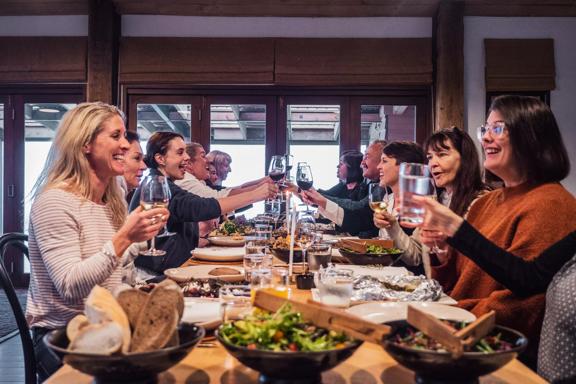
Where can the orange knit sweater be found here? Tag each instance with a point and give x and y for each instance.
(524, 220)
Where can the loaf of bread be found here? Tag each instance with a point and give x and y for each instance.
(158, 319)
(75, 325)
(224, 271)
(101, 307)
(103, 338)
(132, 301)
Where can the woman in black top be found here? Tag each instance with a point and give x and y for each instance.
(166, 155)
(349, 173)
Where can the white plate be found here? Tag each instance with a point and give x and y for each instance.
(219, 253)
(383, 312)
(202, 272)
(227, 241)
(202, 311)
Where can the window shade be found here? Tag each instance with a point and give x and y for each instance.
(520, 64)
(43, 59)
(353, 61)
(196, 60)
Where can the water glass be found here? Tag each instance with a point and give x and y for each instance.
(260, 279)
(336, 286)
(414, 180)
(280, 281)
(235, 302)
(319, 255)
(263, 231)
(254, 261)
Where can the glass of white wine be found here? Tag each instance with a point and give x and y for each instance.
(378, 198)
(154, 194)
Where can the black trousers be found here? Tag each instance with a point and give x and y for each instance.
(46, 361)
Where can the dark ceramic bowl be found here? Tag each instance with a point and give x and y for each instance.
(367, 258)
(133, 367)
(299, 367)
(284, 254)
(440, 367)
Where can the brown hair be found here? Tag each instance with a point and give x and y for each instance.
(468, 181)
(535, 138)
(158, 143)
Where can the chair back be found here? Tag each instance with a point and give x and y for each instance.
(18, 240)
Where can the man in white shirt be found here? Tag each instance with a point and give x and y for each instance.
(197, 172)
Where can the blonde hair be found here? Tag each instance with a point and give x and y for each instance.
(68, 168)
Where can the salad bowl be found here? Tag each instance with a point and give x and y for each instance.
(285, 366)
(433, 366)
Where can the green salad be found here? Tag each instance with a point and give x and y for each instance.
(284, 330)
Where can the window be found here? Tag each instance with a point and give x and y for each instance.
(163, 117)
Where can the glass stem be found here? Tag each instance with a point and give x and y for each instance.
(304, 260)
(153, 245)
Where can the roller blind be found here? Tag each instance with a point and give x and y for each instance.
(520, 64)
(353, 61)
(196, 60)
(43, 59)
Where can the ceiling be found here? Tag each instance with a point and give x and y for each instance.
(294, 8)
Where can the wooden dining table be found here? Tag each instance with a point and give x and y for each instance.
(370, 364)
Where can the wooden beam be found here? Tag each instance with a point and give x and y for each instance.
(103, 40)
(449, 61)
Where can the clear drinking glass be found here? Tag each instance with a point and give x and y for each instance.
(319, 255)
(165, 231)
(235, 302)
(335, 286)
(377, 197)
(305, 228)
(414, 180)
(281, 281)
(153, 194)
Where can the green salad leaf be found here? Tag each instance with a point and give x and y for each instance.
(284, 330)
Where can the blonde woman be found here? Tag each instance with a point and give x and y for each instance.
(79, 229)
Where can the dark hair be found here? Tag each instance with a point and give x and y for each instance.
(192, 149)
(352, 160)
(468, 181)
(158, 143)
(535, 138)
(405, 152)
(132, 136)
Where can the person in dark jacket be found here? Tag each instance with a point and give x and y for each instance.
(166, 155)
(349, 173)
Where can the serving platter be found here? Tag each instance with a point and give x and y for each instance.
(382, 312)
(227, 241)
(202, 272)
(219, 253)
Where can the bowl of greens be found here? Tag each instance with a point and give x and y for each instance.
(282, 346)
(432, 363)
(375, 254)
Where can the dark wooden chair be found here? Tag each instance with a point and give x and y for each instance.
(18, 240)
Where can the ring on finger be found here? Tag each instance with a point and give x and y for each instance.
(153, 220)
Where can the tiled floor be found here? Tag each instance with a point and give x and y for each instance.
(11, 361)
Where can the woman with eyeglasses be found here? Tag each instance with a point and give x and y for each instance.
(522, 147)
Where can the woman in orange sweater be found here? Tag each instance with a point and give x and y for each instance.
(522, 147)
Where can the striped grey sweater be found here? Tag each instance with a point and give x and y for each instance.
(70, 252)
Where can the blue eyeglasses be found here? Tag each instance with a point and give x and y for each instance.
(496, 130)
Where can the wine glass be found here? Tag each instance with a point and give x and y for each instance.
(435, 248)
(378, 198)
(304, 178)
(277, 169)
(306, 226)
(153, 195)
(165, 232)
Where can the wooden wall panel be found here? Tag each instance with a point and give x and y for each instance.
(449, 84)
